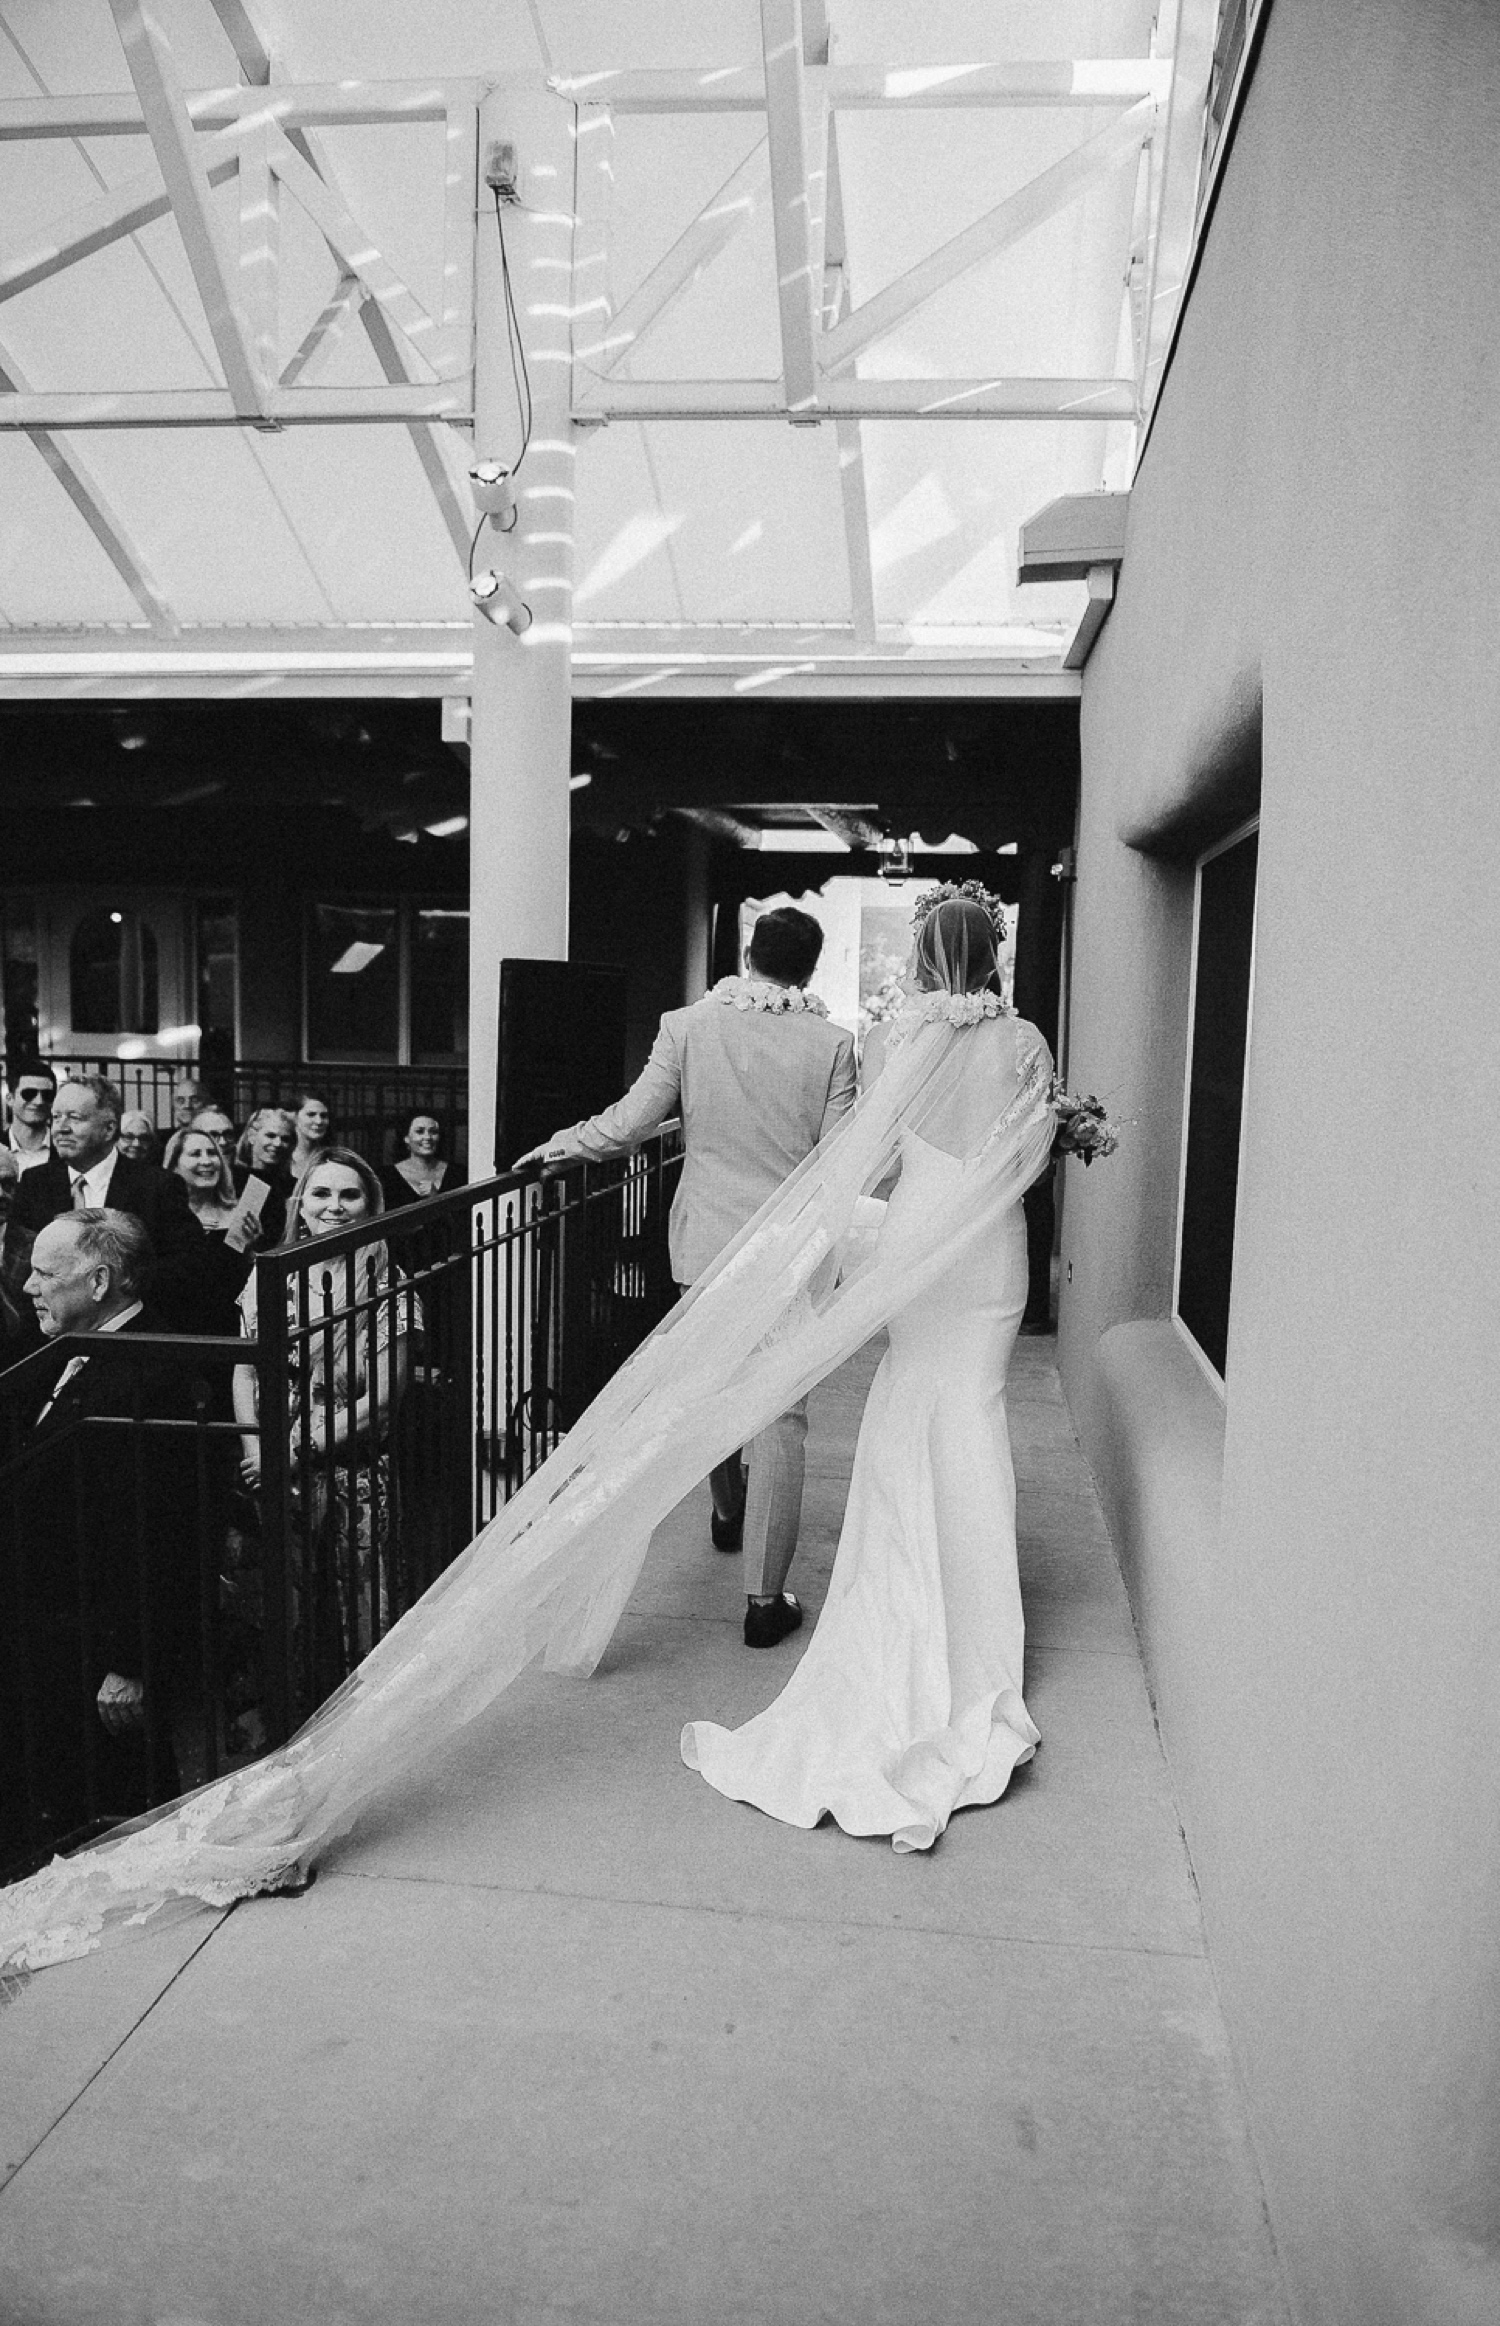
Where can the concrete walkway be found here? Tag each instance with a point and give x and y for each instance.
(562, 2035)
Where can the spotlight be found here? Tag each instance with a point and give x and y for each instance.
(494, 496)
(500, 602)
(895, 865)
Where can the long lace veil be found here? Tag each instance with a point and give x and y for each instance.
(798, 1290)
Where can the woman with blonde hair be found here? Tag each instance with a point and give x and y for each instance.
(349, 1333)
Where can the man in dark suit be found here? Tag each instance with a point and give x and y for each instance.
(101, 1580)
(87, 1170)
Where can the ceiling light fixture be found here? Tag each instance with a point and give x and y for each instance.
(500, 602)
(494, 494)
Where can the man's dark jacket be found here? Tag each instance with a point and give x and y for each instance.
(159, 1200)
(114, 1511)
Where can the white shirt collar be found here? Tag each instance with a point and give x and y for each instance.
(114, 1324)
(96, 1179)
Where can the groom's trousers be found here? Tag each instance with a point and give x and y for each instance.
(773, 1500)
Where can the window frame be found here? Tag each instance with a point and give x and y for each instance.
(1220, 847)
(405, 907)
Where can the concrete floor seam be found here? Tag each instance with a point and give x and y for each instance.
(15, 2172)
(782, 1921)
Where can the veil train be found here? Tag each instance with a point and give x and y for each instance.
(797, 1291)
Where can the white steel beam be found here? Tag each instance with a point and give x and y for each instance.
(180, 160)
(853, 485)
(303, 105)
(215, 407)
(356, 252)
(993, 399)
(452, 501)
(876, 88)
(1016, 216)
(254, 62)
(695, 248)
(88, 498)
(781, 45)
(1186, 31)
(460, 189)
(110, 218)
(593, 204)
(1091, 622)
(439, 655)
(854, 494)
(348, 297)
(260, 252)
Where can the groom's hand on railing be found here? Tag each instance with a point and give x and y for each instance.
(550, 1157)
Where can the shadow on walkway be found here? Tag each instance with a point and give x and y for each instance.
(560, 2034)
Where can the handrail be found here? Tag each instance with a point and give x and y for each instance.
(398, 1407)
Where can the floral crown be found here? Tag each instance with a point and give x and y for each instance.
(969, 892)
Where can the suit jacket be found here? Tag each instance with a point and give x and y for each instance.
(159, 1200)
(756, 1090)
(86, 1503)
(80, 1488)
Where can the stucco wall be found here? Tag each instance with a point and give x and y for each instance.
(1316, 1563)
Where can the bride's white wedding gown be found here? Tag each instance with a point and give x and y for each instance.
(907, 1702)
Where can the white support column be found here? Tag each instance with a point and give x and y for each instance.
(521, 737)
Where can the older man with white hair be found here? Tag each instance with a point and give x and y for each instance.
(104, 1530)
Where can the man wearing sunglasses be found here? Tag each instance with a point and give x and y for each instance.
(29, 1110)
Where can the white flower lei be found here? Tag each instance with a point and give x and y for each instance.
(757, 993)
(950, 1009)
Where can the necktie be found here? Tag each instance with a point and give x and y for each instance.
(80, 1193)
(70, 1372)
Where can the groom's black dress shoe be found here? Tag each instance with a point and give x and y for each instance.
(727, 1532)
(765, 1626)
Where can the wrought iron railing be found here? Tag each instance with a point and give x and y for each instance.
(405, 1376)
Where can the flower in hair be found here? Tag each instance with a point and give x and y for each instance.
(969, 892)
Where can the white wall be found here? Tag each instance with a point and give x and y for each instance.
(1316, 1561)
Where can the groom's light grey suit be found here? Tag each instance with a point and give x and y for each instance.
(756, 1090)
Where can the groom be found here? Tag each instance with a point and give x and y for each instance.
(758, 1076)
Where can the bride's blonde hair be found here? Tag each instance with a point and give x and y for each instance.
(955, 949)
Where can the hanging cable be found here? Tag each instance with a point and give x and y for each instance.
(519, 372)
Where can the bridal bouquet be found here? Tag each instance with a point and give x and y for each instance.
(1083, 1127)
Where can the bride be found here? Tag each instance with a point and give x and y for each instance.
(911, 1703)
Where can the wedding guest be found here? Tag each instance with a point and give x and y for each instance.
(137, 1137)
(80, 1519)
(188, 1101)
(211, 1192)
(422, 1170)
(87, 1170)
(207, 1177)
(265, 1152)
(11, 1329)
(314, 1124)
(219, 1127)
(29, 1109)
(347, 1377)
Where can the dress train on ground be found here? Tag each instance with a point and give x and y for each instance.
(907, 1702)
